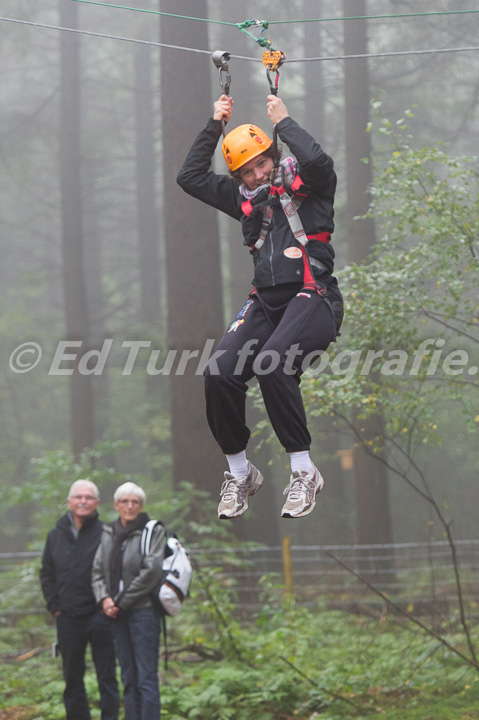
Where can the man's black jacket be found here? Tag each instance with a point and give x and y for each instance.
(65, 574)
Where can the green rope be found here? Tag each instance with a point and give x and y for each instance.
(152, 12)
(248, 23)
(262, 42)
(376, 17)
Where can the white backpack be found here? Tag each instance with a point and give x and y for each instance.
(177, 571)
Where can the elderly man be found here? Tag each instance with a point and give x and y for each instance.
(65, 576)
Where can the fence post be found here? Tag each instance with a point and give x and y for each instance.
(287, 568)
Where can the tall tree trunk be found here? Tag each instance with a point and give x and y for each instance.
(76, 313)
(373, 512)
(96, 309)
(361, 234)
(151, 272)
(315, 92)
(148, 241)
(195, 312)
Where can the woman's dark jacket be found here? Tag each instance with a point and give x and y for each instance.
(316, 169)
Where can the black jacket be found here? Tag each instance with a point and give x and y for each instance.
(65, 574)
(316, 170)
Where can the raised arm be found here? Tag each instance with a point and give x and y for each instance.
(196, 177)
(317, 167)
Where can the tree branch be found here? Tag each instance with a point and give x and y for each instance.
(472, 662)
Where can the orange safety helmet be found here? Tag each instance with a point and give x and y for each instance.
(243, 144)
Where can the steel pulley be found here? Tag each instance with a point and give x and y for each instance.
(221, 60)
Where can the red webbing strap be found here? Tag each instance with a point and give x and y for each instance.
(308, 277)
(321, 237)
(296, 186)
(247, 207)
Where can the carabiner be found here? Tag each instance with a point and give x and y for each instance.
(273, 87)
(272, 60)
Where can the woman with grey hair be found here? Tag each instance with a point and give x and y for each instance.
(122, 581)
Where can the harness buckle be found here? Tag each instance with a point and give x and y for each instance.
(272, 178)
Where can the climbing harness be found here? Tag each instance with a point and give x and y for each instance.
(289, 202)
(291, 198)
(221, 60)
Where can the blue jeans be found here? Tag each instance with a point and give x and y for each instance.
(74, 633)
(137, 637)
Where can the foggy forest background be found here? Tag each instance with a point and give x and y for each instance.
(98, 243)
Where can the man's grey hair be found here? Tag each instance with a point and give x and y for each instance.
(85, 483)
(129, 488)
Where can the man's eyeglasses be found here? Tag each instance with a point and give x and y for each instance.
(125, 501)
(88, 498)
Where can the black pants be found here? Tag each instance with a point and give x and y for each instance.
(74, 633)
(275, 344)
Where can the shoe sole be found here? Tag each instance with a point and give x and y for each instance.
(308, 510)
(254, 489)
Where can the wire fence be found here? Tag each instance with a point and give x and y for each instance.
(413, 575)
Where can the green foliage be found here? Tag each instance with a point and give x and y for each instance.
(412, 313)
(47, 486)
(37, 683)
(290, 661)
(46, 490)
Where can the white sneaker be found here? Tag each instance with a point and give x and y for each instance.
(236, 490)
(301, 491)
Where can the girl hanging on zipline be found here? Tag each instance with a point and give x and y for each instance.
(295, 309)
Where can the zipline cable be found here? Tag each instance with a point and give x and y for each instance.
(241, 57)
(105, 35)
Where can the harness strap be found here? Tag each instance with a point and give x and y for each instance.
(321, 237)
(309, 281)
(247, 207)
(291, 212)
(297, 185)
(145, 540)
(317, 263)
(290, 207)
(267, 216)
